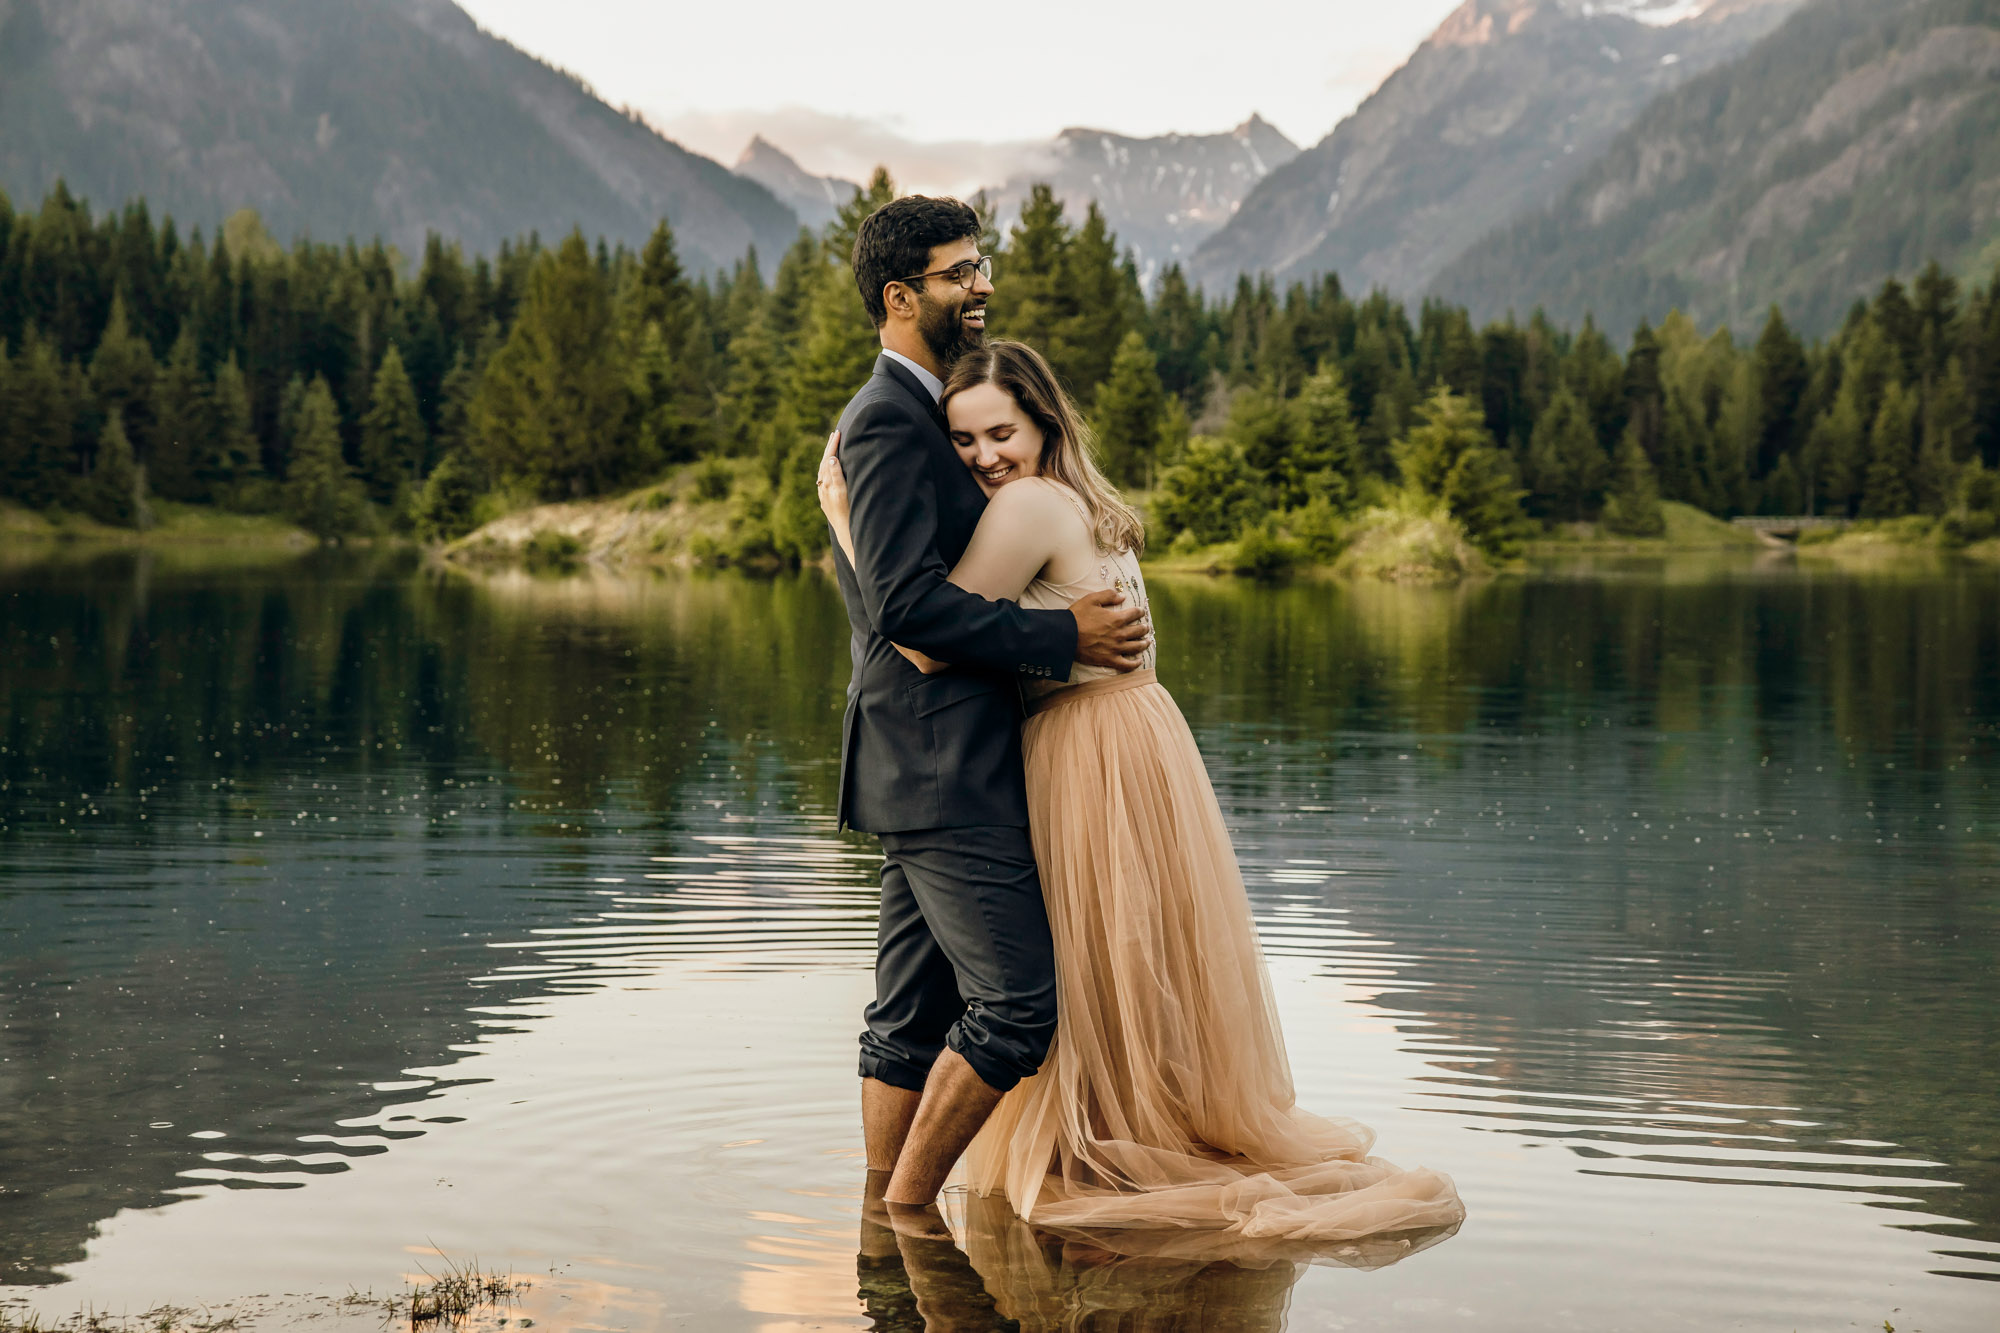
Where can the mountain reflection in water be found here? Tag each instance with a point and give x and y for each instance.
(1657, 904)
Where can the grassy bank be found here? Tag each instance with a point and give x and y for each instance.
(1392, 544)
(1685, 529)
(684, 521)
(1900, 540)
(174, 525)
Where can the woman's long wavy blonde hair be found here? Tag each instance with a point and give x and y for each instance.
(1068, 450)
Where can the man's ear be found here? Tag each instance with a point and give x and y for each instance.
(898, 299)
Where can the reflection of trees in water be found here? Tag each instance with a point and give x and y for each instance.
(601, 682)
(1878, 664)
(1849, 978)
(1768, 966)
(156, 982)
(151, 701)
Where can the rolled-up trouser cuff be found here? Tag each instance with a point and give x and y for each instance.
(896, 1073)
(998, 1074)
(964, 958)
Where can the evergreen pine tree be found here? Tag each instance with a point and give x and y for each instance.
(1893, 314)
(1645, 398)
(1037, 308)
(291, 408)
(750, 395)
(115, 491)
(1325, 462)
(38, 432)
(184, 421)
(1089, 336)
(1891, 451)
(1260, 430)
(444, 509)
(1568, 468)
(454, 415)
(1982, 372)
(1785, 491)
(1840, 441)
(671, 353)
(1450, 457)
(231, 453)
(798, 271)
(1176, 331)
(122, 375)
(840, 344)
(1947, 413)
(322, 494)
(393, 439)
(1732, 441)
(1481, 492)
(554, 411)
(1633, 507)
(1781, 376)
(1128, 415)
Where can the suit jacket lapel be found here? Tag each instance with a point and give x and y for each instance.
(897, 371)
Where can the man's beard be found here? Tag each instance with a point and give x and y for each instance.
(944, 330)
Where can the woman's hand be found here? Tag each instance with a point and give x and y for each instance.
(833, 484)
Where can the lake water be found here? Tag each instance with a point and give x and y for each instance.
(355, 917)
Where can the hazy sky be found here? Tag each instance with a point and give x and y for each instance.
(992, 74)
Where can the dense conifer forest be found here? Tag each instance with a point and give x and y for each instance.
(357, 391)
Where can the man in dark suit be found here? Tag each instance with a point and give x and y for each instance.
(964, 975)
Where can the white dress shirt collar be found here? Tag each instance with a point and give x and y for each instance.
(924, 377)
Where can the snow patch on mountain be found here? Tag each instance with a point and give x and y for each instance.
(1652, 13)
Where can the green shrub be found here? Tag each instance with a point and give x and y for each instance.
(1409, 545)
(1320, 530)
(1266, 553)
(552, 550)
(444, 510)
(1976, 515)
(1211, 493)
(713, 480)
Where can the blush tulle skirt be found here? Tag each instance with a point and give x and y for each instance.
(1166, 1101)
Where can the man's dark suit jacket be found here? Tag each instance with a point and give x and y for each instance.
(917, 751)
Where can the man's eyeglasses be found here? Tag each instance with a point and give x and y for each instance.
(960, 273)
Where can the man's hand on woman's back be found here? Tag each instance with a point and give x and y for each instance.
(1109, 631)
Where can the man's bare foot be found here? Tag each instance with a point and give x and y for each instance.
(918, 1221)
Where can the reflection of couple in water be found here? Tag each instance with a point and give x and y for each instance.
(1011, 1275)
(1069, 989)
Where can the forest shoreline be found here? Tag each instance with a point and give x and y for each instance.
(670, 525)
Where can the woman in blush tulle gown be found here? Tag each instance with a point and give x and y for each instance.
(1166, 1101)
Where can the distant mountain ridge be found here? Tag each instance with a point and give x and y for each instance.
(1494, 113)
(1162, 195)
(361, 117)
(1859, 141)
(814, 198)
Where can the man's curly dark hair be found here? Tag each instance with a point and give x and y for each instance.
(896, 240)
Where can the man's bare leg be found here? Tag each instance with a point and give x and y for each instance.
(955, 1104)
(886, 1113)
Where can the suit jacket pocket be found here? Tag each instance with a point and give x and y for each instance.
(931, 693)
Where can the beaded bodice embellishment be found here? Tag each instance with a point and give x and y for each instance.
(1114, 569)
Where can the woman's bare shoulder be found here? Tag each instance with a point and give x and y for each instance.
(1041, 496)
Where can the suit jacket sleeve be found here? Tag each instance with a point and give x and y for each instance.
(903, 580)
